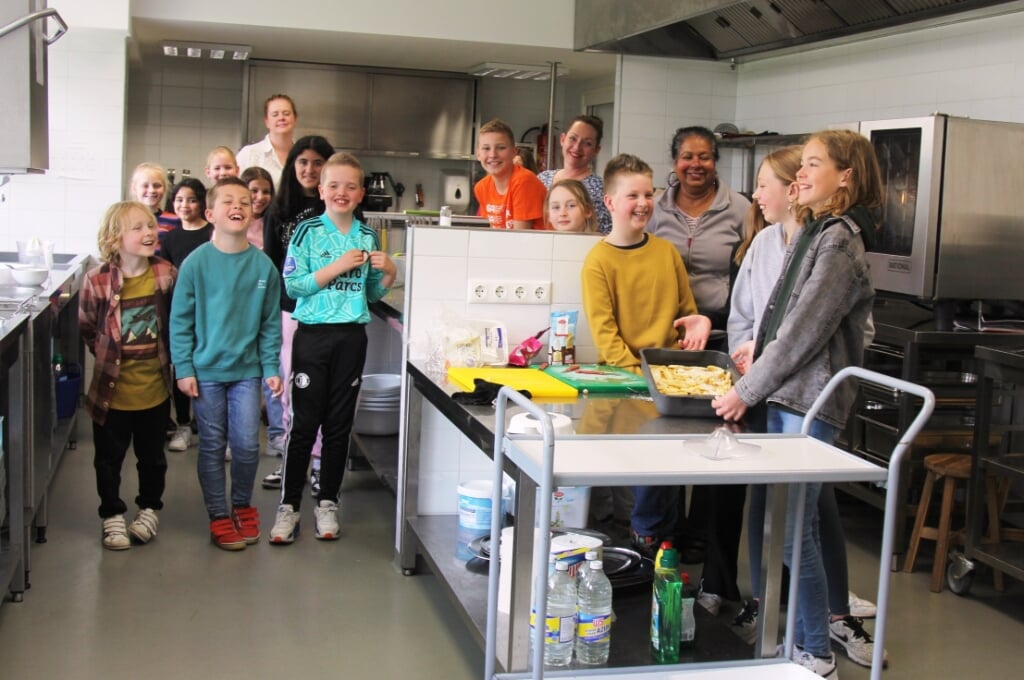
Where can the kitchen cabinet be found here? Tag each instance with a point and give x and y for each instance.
(14, 360)
(370, 112)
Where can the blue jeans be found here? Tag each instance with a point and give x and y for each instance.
(228, 413)
(655, 511)
(275, 412)
(812, 599)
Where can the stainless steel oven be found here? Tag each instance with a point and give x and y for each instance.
(953, 216)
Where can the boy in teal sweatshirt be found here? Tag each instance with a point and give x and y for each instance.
(225, 337)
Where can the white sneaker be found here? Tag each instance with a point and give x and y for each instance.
(286, 525)
(849, 633)
(181, 439)
(326, 514)
(825, 668)
(745, 623)
(143, 527)
(115, 534)
(861, 608)
(711, 602)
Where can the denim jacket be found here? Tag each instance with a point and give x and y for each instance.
(823, 329)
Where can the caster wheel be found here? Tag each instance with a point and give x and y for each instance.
(17, 597)
(408, 572)
(72, 445)
(958, 585)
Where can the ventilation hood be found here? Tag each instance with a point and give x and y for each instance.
(728, 29)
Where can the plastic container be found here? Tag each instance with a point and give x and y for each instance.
(68, 387)
(475, 505)
(666, 601)
(593, 616)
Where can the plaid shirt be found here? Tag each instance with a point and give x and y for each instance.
(99, 319)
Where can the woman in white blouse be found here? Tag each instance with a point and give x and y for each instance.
(270, 153)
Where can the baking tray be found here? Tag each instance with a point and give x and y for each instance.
(693, 407)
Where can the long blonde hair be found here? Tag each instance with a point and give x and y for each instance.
(784, 164)
(579, 192)
(851, 151)
(113, 225)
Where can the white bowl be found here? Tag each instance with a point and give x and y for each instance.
(30, 276)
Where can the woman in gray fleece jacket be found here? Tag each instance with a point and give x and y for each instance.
(813, 327)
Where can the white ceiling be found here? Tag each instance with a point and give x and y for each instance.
(331, 47)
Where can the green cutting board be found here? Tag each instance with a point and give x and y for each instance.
(610, 379)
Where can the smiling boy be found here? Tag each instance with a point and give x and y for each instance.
(225, 337)
(510, 197)
(636, 295)
(334, 269)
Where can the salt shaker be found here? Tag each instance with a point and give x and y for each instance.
(445, 218)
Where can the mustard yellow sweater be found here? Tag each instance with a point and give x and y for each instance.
(632, 295)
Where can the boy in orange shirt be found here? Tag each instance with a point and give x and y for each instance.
(510, 197)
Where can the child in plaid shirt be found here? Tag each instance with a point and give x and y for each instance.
(123, 317)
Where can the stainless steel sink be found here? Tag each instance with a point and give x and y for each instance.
(58, 258)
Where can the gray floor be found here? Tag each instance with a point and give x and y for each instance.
(180, 608)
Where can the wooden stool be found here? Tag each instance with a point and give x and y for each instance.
(950, 467)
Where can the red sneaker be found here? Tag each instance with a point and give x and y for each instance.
(224, 535)
(247, 523)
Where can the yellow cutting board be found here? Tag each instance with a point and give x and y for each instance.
(539, 384)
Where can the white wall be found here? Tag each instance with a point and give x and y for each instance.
(86, 70)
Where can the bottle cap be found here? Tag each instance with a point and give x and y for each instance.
(591, 555)
(597, 565)
(665, 545)
(561, 566)
(669, 559)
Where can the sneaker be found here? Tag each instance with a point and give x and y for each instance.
(745, 623)
(326, 514)
(275, 445)
(314, 482)
(849, 633)
(170, 429)
(711, 602)
(181, 439)
(861, 608)
(143, 527)
(247, 523)
(223, 534)
(647, 546)
(825, 668)
(273, 480)
(115, 534)
(286, 525)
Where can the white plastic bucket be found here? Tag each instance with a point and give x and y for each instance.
(475, 504)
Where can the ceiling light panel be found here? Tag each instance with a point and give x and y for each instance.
(175, 48)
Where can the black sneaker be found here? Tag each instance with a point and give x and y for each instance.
(273, 480)
(745, 623)
(848, 632)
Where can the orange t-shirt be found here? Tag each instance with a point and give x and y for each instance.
(524, 200)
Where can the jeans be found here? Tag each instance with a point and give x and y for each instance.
(228, 413)
(812, 599)
(275, 412)
(144, 432)
(654, 511)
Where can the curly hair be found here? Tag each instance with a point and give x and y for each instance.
(116, 221)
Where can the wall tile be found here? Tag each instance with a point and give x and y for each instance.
(189, 117)
(574, 246)
(566, 287)
(535, 268)
(191, 97)
(440, 278)
(436, 241)
(499, 243)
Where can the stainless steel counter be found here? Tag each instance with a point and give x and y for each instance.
(14, 381)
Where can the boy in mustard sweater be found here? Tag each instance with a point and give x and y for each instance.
(636, 295)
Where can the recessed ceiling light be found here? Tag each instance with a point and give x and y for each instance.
(216, 54)
(515, 71)
(194, 52)
(176, 48)
(170, 51)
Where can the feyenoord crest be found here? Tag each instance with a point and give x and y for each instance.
(301, 380)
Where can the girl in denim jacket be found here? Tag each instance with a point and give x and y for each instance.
(814, 326)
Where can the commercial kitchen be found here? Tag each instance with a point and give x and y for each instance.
(394, 597)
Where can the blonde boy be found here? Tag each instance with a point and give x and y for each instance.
(635, 295)
(333, 270)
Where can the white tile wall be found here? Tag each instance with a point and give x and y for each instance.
(86, 70)
(441, 261)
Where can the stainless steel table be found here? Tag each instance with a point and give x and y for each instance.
(14, 378)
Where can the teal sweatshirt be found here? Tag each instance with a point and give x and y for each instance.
(226, 316)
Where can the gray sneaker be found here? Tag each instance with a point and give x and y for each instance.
(286, 526)
(143, 527)
(849, 633)
(825, 668)
(326, 513)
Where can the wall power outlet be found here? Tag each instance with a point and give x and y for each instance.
(505, 291)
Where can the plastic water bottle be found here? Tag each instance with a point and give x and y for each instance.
(560, 627)
(584, 569)
(594, 616)
(665, 606)
(687, 624)
(444, 218)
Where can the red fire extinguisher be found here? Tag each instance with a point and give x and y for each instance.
(542, 148)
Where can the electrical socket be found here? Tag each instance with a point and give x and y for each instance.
(478, 291)
(539, 292)
(500, 291)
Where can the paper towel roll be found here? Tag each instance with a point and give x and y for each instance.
(524, 423)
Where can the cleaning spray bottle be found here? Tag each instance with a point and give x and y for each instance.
(666, 599)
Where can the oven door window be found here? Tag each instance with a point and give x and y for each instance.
(899, 156)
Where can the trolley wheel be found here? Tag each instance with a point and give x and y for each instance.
(408, 572)
(72, 445)
(958, 585)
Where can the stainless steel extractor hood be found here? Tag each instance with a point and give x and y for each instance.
(23, 107)
(729, 29)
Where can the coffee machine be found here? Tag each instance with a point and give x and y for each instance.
(377, 198)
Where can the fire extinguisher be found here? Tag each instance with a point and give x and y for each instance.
(542, 148)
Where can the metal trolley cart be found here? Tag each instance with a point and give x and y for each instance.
(1000, 418)
(784, 461)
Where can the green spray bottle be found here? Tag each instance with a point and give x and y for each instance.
(666, 599)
